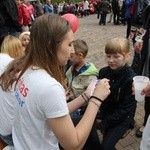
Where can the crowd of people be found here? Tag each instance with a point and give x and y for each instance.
(46, 82)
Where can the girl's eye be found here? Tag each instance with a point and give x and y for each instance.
(108, 56)
(116, 56)
(70, 44)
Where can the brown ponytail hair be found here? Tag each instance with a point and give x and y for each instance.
(47, 33)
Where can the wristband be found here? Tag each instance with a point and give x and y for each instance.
(96, 98)
(95, 103)
(84, 98)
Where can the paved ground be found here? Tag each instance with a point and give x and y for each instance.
(96, 37)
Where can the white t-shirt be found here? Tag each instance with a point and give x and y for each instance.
(5, 59)
(6, 100)
(85, 5)
(145, 143)
(38, 97)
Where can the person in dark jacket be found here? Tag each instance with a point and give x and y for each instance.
(116, 11)
(117, 112)
(136, 24)
(9, 18)
(144, 65)
(104, 9)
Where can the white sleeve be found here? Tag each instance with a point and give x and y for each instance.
(53, 102)
(145, 143)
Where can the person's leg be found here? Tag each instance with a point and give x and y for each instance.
(114, 18)
(93, 139)
(128, 28)
(104, 21)
(118, 17)
(139, 132)
(85, 12)
(101, 19)
(112, 136)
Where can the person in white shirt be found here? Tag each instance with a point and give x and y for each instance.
(145, 142)
(11, 48)
(86, 7)
(41, 112)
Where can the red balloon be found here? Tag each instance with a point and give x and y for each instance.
(73, 21)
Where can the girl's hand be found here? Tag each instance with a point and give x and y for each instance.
(102, 89)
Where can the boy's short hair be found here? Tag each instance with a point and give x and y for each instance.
(80, 46)
(117, 45)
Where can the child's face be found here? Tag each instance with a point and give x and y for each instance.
(115, 61)
(25, 40)
(76, 58)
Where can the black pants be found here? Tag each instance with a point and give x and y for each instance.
(93, 139)
(128, 27)
(110, 137)
(116, 14)
(103, 19)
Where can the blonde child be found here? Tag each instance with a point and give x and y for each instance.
(24, 38)
(117, 112)
(12, 46)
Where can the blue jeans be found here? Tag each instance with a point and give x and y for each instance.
(103, 18)
(7, 139)
(86, 11)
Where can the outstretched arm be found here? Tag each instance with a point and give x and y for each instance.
(74, 138)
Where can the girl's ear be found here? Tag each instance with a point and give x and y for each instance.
(127, 58)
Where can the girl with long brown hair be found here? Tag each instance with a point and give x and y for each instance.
(41, 113)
